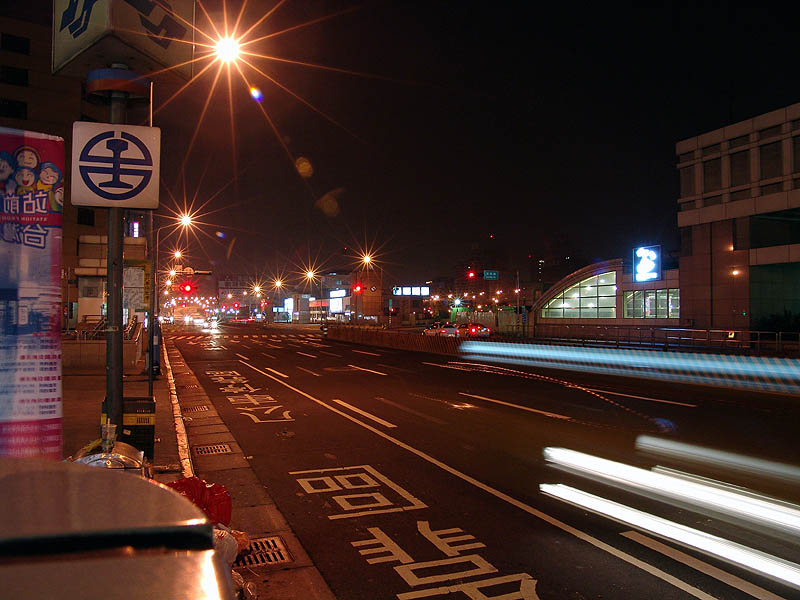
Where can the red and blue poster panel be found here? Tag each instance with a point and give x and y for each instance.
(32, 192)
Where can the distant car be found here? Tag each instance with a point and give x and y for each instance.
(476, 330)
(439, 328)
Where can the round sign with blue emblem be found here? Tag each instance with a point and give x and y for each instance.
(115, 165)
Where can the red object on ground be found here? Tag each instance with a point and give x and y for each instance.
(214, 499)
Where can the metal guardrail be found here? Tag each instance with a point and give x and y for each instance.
(668, 338)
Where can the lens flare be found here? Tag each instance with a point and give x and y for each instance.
(256, 94)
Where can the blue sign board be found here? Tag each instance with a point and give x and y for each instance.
(647, 263)
(491, 275)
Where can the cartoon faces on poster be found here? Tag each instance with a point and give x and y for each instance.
(22, 172)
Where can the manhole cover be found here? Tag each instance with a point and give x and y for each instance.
(263, 551)
(200, 408)
(212, 449)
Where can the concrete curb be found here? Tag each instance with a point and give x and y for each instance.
(254, 511)
(184, 454)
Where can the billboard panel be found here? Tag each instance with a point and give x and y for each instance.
(32, 189)
(146, 35)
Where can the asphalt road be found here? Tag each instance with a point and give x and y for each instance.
(408, 475)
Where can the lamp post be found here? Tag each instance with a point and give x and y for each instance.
(185, 221)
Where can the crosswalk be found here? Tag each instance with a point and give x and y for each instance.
(262, 336)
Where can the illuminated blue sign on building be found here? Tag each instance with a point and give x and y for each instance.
(647, 263)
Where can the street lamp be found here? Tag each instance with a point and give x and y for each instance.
(184, 221)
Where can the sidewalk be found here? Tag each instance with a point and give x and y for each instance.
(285, 575)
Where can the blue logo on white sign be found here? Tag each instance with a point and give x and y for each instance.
(123, 174)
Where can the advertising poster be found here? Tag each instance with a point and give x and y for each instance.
(32, 192)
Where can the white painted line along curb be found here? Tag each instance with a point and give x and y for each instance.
(184, 453)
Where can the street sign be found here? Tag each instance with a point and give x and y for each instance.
(115, 165)
(491, 275)
(146, 35)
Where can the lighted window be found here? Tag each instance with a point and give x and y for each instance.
(651, 304)
(593, 298)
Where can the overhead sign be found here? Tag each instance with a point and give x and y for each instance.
(115, 165)
(491, 275)
(146, 35)
(415, 290)
(647, 263)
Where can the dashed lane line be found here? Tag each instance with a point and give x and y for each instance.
(365, 352)
(533, 410)
(268, 355)
(306, 354)
(241, 356)
(411, 410)
(642, 397)
(330, 354)
(368, 370)
(276, 372)
(309, 371)
(364, 413)
(581, 535)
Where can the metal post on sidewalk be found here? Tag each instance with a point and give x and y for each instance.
(114, 269)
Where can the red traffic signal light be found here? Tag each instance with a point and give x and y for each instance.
(186, 288)
(357, 288)
(471, 274)
(235, 305)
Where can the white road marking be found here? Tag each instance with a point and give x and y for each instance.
(368, 370)
(179, 338)
(330, 354)
(365, 352)
(395, 368)
(277, 372)
(306, 354)
(703, 567)
(641, 397)
(364, 413)
(272, 346)
(411, 410)
(242, 356)
(533, 410)
(309, 371)
(268, 355)
(632, 560)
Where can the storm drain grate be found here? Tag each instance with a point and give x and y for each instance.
(200, 408)
(263, 551)
(212, 449)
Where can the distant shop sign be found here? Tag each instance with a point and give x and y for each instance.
(491, 275)
(338, 293)
(647, 263)
(411, 290)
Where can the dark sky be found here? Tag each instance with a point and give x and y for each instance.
(514, 119)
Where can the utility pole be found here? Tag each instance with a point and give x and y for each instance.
(114, 269)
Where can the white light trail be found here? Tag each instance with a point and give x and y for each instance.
(760, 562)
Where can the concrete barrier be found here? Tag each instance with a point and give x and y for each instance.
(387, 338)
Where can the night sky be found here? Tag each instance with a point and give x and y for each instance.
(528, 123)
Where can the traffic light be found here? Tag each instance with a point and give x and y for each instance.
(236, 305)
(187, 288)
(471, 274)
(357, 288)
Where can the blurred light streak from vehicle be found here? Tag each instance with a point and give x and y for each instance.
(754, 560)
(765, 374)
(717, 458)
(748, 507)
